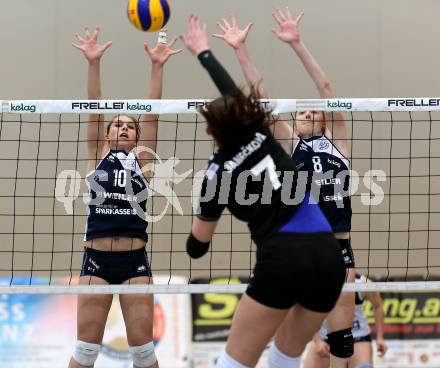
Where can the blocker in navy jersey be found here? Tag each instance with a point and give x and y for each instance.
(328, 172)
(118, 197)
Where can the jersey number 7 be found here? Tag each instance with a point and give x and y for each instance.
(267, 164)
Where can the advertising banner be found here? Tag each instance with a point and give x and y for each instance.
(39, 331)
(412, 327)
(409, 316)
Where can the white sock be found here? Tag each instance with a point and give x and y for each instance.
(226, 361)
(277, 359)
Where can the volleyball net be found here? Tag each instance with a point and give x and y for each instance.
(395, 180)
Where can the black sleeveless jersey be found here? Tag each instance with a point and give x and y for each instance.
(117, 198)
(328, 173)
(248, 181)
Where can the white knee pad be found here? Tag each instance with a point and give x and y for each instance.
(365, 365)
(143, 356)
(277, 359)
(86, 353)
(226, 361)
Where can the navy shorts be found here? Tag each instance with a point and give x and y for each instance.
(115, 267)
(366, 338)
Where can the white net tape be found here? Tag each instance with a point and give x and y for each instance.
(278, 106)
(410, 286)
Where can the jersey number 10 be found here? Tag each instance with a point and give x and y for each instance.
(120, 178)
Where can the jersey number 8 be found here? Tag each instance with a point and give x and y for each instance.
(317, 166)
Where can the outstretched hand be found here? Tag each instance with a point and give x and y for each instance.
(196, 39)
(162, 51)
(89, 44)
(289, 27)
(232, 34)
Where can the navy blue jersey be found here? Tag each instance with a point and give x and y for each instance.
(248, 181)
(328, 173)
(118, 197)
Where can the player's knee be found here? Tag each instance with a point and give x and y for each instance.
(143, 356)
(365, 365)
(341, 343)
(86, 353)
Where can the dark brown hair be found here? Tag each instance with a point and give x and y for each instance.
(132, 118)
(232, 120)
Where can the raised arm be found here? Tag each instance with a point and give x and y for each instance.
(236, 37)
(289, 33)
(196, 41)
(93, 51)
(147, 141)
(203, 226)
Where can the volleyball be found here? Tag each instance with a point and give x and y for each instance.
(148, 15)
